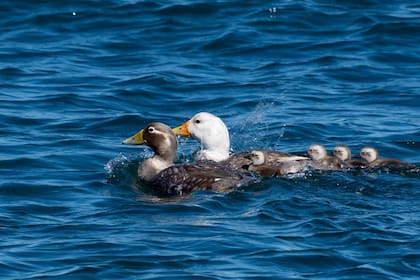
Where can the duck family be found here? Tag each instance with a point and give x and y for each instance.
(216, 168)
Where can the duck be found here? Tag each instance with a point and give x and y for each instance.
(322, 161)
(371, 155)
(168, 178)
(343, 153)
(213, 135)
(263, 164)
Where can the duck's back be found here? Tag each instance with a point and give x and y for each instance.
(205, 175)
(390, 162)
(239, 160)
(279, 157)
(243, 159)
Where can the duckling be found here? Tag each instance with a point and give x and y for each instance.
(264, 166)
(168, 178)
(371, 156)
(322, 161)
(343, 153)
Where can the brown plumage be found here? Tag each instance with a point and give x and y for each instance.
(271, 157)
(169, 179)
(273, 163)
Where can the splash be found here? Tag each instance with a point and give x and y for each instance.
(123, 168)
(250, 131)
(120, 161)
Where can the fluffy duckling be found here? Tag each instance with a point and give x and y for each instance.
(343, 153)
(169, 179)
(322, 161)
(263, 164)
(371, 156)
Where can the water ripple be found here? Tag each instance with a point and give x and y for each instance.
(78, 78)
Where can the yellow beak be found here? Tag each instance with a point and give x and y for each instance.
(182, 130)
(136, 139)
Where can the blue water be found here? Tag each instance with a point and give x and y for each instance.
(79, 77)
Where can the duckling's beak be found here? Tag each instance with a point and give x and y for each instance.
(182, 130)
(136, 139)
(248, 156)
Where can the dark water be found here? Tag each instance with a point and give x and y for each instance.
(79, 77)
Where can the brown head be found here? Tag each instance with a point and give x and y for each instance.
(157, 136)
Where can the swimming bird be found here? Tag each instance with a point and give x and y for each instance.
(168, 178)
(371, 156)
(213, 135)
(343, 153)
(211, 132)
(322, 161)
(264, 165)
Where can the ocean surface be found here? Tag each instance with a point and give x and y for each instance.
(78, 77)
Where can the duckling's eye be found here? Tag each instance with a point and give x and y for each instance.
(151, 129)
(197, 121)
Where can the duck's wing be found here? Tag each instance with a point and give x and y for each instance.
(280, 169)
(186, 178)
(329, 163)
(239, 160)
(357, 163)
(393, 162)
(275, 157)
(265, 170)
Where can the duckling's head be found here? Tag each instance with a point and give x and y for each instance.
(317, 152)
(157, 136)
(342, 152)
(257, 157)
(369, 154)
(208, 129)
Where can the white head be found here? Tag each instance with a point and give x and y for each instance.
(369, 154)
(212, 134)
(317, 152)
(257, 157)
(342, 152)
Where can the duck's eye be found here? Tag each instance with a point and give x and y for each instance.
(197, 121)
(151, 129)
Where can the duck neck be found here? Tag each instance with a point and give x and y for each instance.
(152, 166)
(162, 159)
(216, 146)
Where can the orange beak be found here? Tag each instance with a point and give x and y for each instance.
(182, 130)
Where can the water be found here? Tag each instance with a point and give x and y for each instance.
(77, 78)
